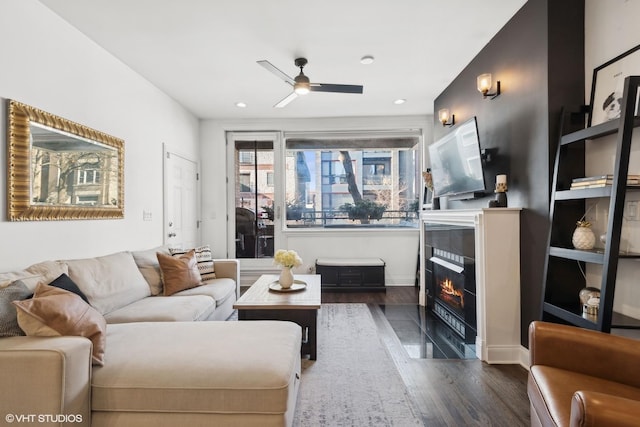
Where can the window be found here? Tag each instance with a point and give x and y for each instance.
(245, 183)
(88, 176)
(246, 157)
(364, 180)
(87, 200)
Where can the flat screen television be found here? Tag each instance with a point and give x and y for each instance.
(456, 165)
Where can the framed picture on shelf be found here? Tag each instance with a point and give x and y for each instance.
(607, 86)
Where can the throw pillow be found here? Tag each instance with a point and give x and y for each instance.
(147, 262)
(179, 272)
(206, 266)
(43, 272)
(64, 282)
(55, 312)
(16, 291)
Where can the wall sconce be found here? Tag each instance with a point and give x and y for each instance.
(484, 86)
(443, 115)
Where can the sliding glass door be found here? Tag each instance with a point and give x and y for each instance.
(255, 220)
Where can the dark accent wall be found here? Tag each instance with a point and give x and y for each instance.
(538, 56)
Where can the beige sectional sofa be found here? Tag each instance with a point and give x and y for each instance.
(163, 366)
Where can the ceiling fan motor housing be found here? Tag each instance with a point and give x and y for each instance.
(302, 83)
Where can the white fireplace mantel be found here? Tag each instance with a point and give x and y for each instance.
(497, 258)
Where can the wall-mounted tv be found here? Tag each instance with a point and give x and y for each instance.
(456, 165)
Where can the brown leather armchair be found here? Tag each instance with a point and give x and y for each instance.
(580, 377)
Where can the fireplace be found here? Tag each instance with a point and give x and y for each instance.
(485, 244)
(453, 283)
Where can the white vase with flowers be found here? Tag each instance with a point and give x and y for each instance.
(287, 260)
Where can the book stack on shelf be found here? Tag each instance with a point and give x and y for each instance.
(599, 181)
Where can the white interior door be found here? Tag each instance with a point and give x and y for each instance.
(181, 219)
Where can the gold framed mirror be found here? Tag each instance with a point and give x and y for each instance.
(60, 170)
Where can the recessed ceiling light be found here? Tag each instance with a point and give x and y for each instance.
(399, 101)
(241, 104)
(367, 59)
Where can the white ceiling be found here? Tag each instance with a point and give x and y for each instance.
(203, 53)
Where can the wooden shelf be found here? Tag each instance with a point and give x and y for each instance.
(563, 279)
(595, 256)
(574, 316)
(587, 193)
(592, 256)
(571, 315)
(620, 321)
(593, 132)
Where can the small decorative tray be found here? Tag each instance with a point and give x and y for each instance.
(297, 285)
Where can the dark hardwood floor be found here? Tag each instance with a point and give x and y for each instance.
(448, 392)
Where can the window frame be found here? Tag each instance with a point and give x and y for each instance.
(416, 147)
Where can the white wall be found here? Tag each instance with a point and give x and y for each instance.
(398, 248)
(611, 28)
(48, 64)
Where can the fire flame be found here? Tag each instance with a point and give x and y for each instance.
(448, 290)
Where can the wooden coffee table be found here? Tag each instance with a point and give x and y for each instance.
(301, 307)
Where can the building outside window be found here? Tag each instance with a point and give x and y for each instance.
(352, 181)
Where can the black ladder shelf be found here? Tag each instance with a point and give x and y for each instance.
(564, 265)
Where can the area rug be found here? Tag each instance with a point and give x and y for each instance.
(354, 381)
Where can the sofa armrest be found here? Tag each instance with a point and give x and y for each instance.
(228, 269)
(46, 375)
(590, 408)
(601, 355)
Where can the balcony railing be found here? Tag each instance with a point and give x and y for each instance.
(308, 218)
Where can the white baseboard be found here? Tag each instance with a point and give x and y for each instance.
(505, 355)
(525, 360)
(502, 354)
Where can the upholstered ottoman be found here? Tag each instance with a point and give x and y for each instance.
(198, 374)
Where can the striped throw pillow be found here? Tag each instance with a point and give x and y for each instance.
(204, 258)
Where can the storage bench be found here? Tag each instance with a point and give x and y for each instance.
(351, 274)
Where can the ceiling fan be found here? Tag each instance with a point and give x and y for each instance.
(301, 84)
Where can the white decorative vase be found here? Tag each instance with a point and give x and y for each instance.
(286, 278)
(583, 238)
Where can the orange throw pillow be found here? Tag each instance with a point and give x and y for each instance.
(56, 312)
(179, 273)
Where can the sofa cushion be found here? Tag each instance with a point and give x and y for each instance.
(164, 309)
(218, 289)
(550, 391)
(147, 262)
(16, 291)
(64, 282)
(42, 272)
(206, 266)
(110, 281)
(56, 312)
(178, 272)
(210, 367)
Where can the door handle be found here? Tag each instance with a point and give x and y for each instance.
(172, 234)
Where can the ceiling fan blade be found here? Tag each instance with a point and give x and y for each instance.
(326, 87)
(280, 74)
(286, 100)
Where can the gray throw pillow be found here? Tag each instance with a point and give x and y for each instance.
(16, 291)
